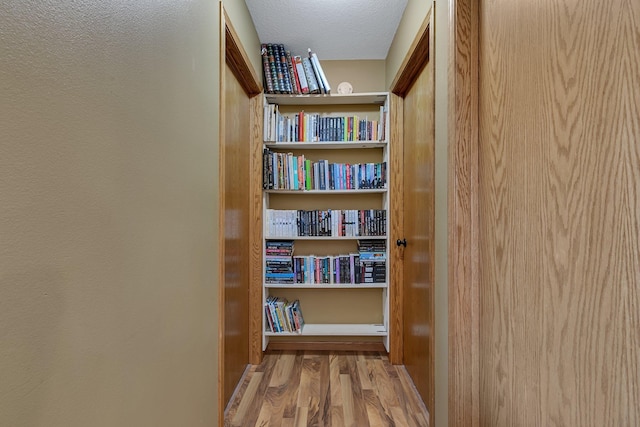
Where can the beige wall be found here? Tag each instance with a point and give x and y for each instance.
(108, 220)
(364, 75)
(241, 20)
(412, 19)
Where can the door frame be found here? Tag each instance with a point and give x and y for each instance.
(462, 205)
(463, 215)
(233, 54)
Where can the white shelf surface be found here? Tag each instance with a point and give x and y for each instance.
(325, 285)
(325, 237)
(326, 145)
(369, 98)
(336, 329)
(362, 191)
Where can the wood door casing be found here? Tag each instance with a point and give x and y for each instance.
(418, 216)
(236, 232)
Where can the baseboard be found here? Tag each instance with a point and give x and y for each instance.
(327, 345)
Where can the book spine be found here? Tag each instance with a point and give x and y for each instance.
(288, 87)
(304, 86)
(311, 78)
(316, 73)
(295, 81)
(266, 68)
(274, 68)
(322, 78)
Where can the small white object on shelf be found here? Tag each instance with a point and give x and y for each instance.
(345, 88)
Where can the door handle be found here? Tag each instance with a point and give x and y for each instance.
(402, 242)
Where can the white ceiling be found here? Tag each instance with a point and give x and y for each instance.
(333, 29)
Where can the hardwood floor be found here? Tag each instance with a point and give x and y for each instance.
(322, 388)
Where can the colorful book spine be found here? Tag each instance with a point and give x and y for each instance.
(304, 86)
(293, 74)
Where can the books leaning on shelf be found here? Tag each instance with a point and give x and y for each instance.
(330, 223)
(286, 171)
(288, 73)
(282, 315)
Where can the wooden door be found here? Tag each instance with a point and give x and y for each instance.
(559, 213)
(418, 213)
(236, 152)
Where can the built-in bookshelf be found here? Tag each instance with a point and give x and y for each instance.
(326, 201)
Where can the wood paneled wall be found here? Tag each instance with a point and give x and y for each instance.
(559, 213)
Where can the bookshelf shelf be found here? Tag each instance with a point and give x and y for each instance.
(326, 145)
(311, 192)
(325, 286)
(334, 329)
(372, 98)
(326, 238)
(331, 308)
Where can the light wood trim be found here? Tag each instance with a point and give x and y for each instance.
(233, 54)
(413, 62)
(221, 233)
(255, 233)
(327, 345)
(396, 231)
(463, 377)
(238, 60)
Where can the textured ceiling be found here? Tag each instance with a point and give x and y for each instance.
(333, 29)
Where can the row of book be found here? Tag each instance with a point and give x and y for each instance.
(282, 315)
(332, 222)
(313, 127)
(339, 269)
(287, 171)
(292, 74)
(368, 265)
(279, 261)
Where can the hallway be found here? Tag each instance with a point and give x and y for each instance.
(323, 388)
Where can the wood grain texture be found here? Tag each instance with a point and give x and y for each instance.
(326, 389)
(236, 233)
(464, 297)
(418, 283)
(559, 230)
(255, 231)
(239, 224)
(396, 204)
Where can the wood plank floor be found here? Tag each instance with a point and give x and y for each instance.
(323, 388)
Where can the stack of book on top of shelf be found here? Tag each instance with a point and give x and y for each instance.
(279, 262)
(282, 315)
(292, 74)
(373, 260)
